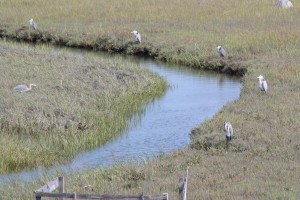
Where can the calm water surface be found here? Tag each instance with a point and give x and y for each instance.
(192, 97)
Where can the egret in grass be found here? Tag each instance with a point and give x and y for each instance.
(24, 88)
(33, 24)
(228, 131)
(221, 51)
(137, 36)
(262, 83)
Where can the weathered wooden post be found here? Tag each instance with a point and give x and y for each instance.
(35, 197)
(183, 186)
(61, 185)
(166, 195)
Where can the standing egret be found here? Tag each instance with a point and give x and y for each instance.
(228, 131)
(33, 24)
(24, 88)
(221, 51)
(262, 83)
(137, 36)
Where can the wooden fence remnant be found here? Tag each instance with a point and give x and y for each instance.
(58, 183)
(183, 186)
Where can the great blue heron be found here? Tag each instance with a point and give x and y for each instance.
(262, 83)
(24, 88)
(33, 24)
(137, 36)
(221, 51)
(228, 131)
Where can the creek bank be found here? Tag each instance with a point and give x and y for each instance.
(105, 43)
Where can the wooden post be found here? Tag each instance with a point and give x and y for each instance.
(61, 185)
(37, 197)
(186, 181)
(166, 195)
(75, 195)
(183, 186)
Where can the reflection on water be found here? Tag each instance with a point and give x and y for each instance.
(166, 123)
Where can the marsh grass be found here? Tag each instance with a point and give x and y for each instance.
(262, 161)
(79, 103)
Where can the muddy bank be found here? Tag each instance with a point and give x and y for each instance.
(105, 43)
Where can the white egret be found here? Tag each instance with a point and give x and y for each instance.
(221, 51)
(228, 131)
(137, 36)
(24, 88)
(33, 24)
(262, 83)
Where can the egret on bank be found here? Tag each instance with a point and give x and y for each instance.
(262, 83)
(137, 36)
(228, 131)
(33, 24)
(221, 51)
(24, 88)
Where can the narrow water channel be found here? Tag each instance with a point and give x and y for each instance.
(192, 97)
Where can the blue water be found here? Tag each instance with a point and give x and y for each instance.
(192, 97)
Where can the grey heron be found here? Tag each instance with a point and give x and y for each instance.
(221, 51)
(137, 36)
(285, 4)
(33, 24)
(228, 131)
(262, 83)
(24, 88)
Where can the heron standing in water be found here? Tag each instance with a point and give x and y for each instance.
(221, 51)
(24, 88)
(137, 36)
(33, 24)
(228, 131)
(262, 83)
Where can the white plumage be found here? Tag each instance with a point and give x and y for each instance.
(137, 36)
(285, 4)
(262, 83)
(33, 24)
(228, 131)
(24, 88)
(221, 51)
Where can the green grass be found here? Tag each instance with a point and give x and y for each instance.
(80, 102)
(263, 160)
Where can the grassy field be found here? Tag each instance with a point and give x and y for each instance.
(263, 160)
(79, 103)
